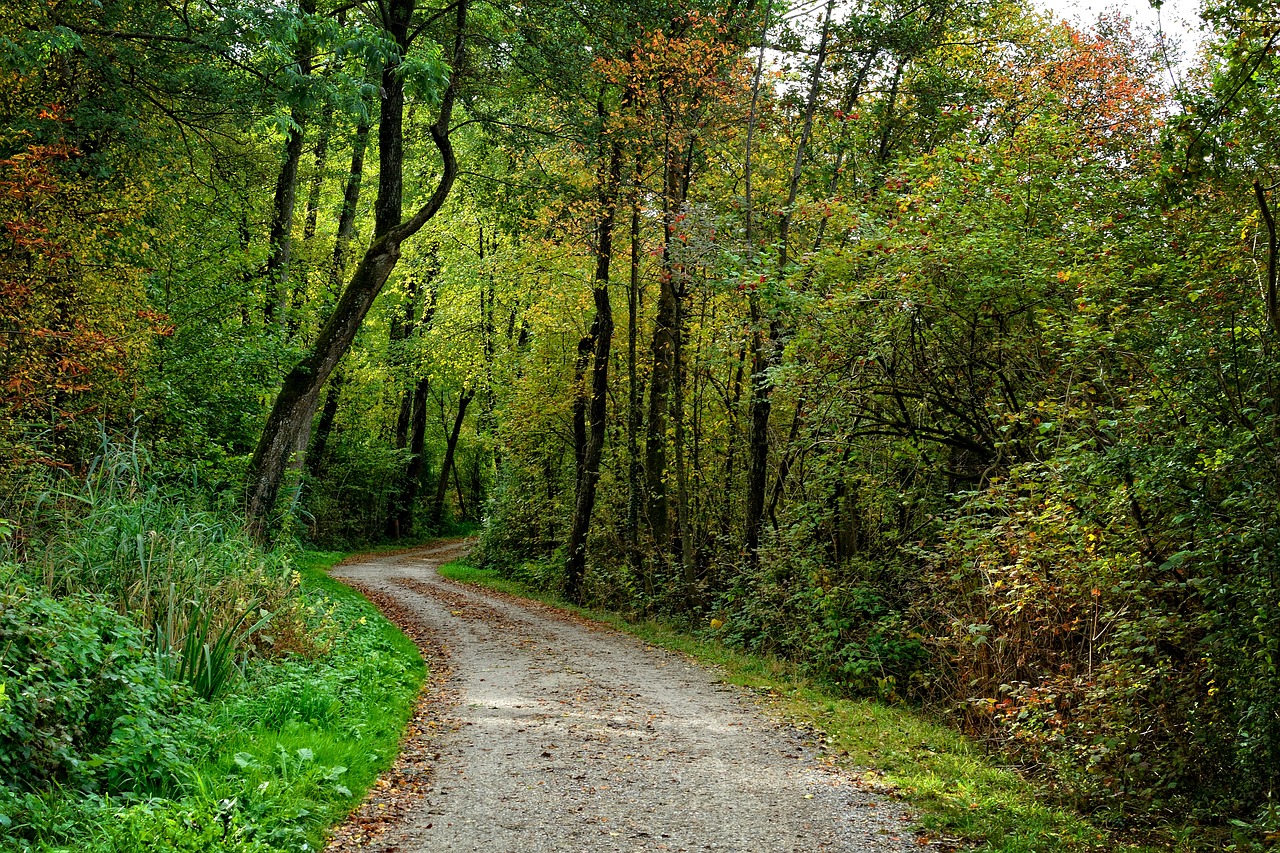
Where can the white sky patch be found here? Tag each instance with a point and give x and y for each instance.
(1177, 20)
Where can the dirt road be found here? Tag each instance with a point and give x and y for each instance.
(547, 733)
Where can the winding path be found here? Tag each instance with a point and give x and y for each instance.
(544, 732)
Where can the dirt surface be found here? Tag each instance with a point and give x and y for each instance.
(544, 732)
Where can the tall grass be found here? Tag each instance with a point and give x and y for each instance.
(201, 656)
(147, 544)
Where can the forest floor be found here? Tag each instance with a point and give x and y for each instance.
(542, 731)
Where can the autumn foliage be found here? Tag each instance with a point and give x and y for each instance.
(73, 319)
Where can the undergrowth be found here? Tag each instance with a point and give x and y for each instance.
(959, 791)
(266, 767)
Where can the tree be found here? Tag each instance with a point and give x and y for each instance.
(296, 403)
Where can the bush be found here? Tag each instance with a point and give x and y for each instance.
(844, 625)
(86, 705)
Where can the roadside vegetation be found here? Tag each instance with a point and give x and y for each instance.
(165, 684)
(963, 793)
(928, 345)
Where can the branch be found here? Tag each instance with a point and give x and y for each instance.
(440, 136)
(1273, 311)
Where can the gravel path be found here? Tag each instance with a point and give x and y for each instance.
(549, 733)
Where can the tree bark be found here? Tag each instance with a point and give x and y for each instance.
(589, 470)
(442, 484)
(296, 403)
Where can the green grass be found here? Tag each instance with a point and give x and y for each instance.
(273, 764)
(957, 789)
(311, 736)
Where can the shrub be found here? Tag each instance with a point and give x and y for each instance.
(843, 624)
(86, 705)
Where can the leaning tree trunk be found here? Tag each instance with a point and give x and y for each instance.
(295, 405)
(589, 470)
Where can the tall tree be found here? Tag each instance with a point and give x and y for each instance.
(588, 474)
(296, 402)
(767, 348)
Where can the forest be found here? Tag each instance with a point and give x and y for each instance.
(924, 344)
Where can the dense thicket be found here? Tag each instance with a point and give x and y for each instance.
(929, 344)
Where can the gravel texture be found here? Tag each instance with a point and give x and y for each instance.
(544, 732)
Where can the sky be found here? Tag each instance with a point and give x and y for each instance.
(1178, 19)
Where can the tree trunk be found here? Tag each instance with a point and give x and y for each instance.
(417, 458)
(655, 447)
(757, 430)
(296, 403)
(731, 454)
(683, 541)
(350, 201)
(403, 325)
(489, 420)
(886, 131)
(317, 178)
(784, 466)
(586, 346)
(589, 471)
(635, 470)
(463, 514)
(767, 355)
(411, 424)
(1273, 258)
(315, 455)
(675, 182)
(279, 243)
(442, 484)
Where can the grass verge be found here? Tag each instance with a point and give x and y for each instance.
(959, 792)
(269, 767)
(307, 737)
